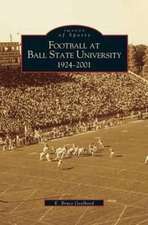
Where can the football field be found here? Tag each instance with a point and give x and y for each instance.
(122, 181)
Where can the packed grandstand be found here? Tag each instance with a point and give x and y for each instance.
(64, 104)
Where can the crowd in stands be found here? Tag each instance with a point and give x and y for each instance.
(64, 104)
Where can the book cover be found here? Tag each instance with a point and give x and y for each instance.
(73, 112)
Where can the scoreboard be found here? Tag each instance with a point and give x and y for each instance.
(9, 54)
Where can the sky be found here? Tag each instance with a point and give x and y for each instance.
(107, 16)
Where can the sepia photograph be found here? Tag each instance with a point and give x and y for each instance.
(74, 112)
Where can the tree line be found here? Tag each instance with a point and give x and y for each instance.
(138, 58)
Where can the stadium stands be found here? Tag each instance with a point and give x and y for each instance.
(63, 102)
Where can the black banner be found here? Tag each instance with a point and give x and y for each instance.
(58, 202)
(74, 48)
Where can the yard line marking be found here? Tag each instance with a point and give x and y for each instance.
(32, 221)
(81, 216)
(133, 217)
(141, 222)
(91, 185)
(13, 210)
(123, 219)
(49, 209)
(101, 217)
(106, 177)
(135, 203)
(120, 216)
(116, 168)
(129, 205)
(7, 189)
(113, 168)
(44, 214)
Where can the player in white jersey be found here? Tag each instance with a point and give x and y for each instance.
(60, 162)
(4, 145)
(111, 154)
(99, 143)
(146, 160)
(10, 144)
(45, 149)
(92, 148)
(45, 154)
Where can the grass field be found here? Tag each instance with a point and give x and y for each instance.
(122, 182)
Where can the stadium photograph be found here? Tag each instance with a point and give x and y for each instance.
(72, 138)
